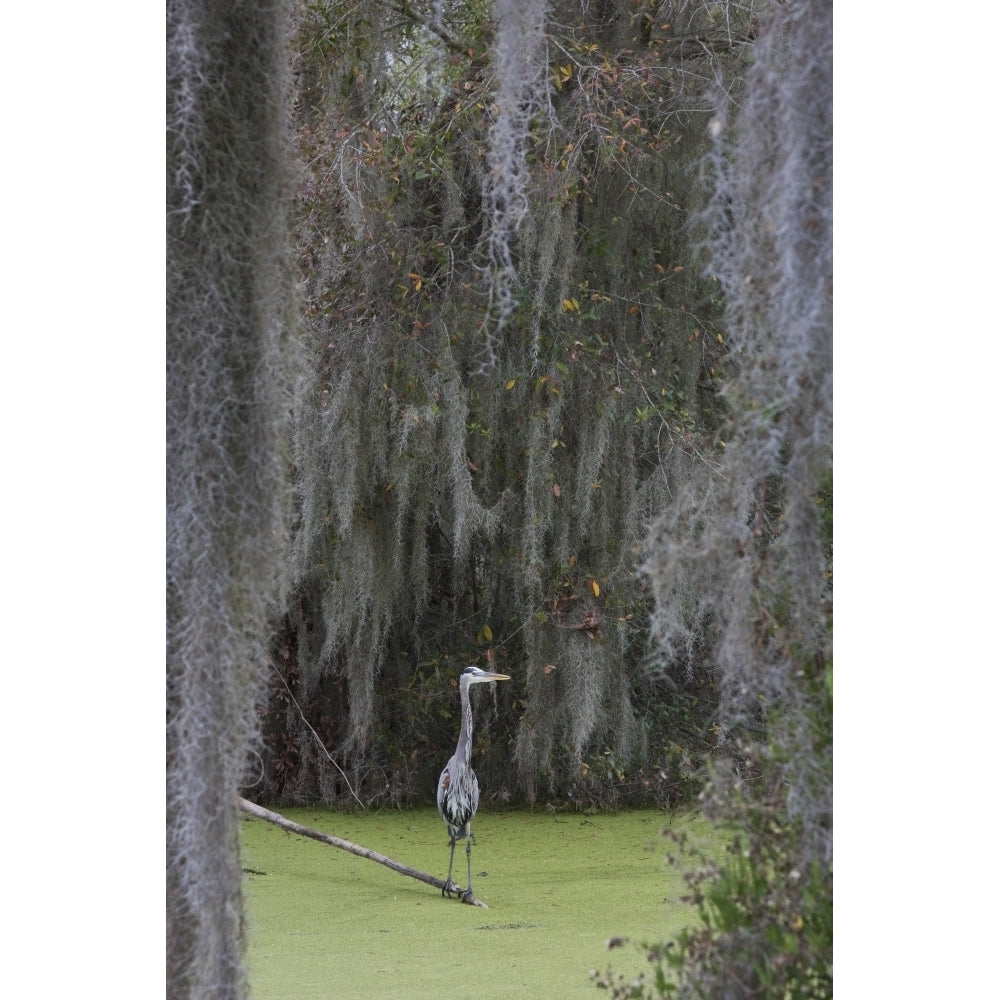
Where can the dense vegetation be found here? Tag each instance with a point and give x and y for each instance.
(562, 392)
(516, 360)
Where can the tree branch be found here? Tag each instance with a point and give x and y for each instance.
(362, 852)
(407, 10)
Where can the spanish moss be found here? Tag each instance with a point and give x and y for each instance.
(228, 312)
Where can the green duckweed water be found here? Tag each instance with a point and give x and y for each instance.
(326, 924)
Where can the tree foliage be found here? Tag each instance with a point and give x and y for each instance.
(516, 363)
(746, 552)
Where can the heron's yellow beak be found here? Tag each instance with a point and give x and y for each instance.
(490, 676)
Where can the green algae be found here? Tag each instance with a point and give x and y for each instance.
(324, 923)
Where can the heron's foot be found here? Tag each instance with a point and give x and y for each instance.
(451, 889)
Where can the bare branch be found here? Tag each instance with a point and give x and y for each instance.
(435, 27)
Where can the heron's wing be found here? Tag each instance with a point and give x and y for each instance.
(473, 791)
(444, 783)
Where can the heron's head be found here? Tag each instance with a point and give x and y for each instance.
(473, 675)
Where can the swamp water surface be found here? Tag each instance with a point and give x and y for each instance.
(326, 924)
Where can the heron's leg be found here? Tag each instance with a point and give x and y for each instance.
(451, 862)
(468, 859)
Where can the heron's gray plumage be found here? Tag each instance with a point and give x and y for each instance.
(458, 788)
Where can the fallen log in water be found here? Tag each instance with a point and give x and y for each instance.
(362, 852)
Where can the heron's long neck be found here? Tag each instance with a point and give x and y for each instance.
(464, 750)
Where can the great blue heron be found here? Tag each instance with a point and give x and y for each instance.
(458, 789)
